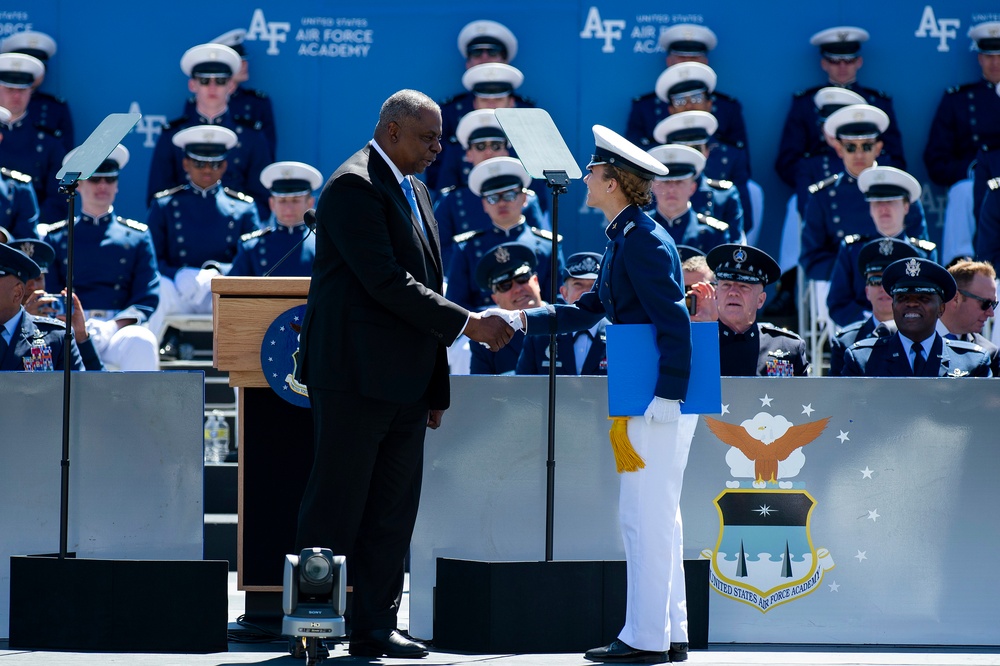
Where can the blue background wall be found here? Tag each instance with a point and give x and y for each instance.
(327, 86)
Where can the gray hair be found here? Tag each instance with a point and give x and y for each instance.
(403, 104)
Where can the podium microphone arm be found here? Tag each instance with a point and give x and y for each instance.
(310, 220)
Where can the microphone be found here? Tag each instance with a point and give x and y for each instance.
(309, 217)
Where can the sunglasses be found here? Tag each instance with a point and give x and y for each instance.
(984, 303)
(509, 195)
(202, 164)
(480, 51)
(841, 61)
(507, 285)
(209, 80)
(853, 147)
(483, 146)
(874, 281)
(684, 100)
(104, 179)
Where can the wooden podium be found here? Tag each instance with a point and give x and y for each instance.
(275, 438)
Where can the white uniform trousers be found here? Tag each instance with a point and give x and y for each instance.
(650, 518)
(190, 292)
(132, 348)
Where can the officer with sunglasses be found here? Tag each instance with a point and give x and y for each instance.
(919, 290)
(837, 207)
(114, 270)
(210, 69)
(974, 304)
(196, 227)
(840, 59)
(501, 184)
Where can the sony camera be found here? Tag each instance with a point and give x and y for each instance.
(314, 594)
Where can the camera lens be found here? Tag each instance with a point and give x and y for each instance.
(316, 569)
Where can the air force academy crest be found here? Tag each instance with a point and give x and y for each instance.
(279, 354)
(764, 555)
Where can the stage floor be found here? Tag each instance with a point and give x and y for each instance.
(276, 654)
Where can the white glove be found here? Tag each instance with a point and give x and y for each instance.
(512, 317)
(662, 410)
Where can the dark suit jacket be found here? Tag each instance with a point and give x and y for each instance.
(40, 340)
(886, 357)
(376, 322)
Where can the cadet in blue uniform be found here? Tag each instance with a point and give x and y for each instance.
(715, 197)
(28, 146)
(986, 168)
(197, 226)
(479, 42)
(686, 43)
(968, 115)
(210, 69)
(28, 343)
(889, 193)
(672, 194)
(49, 111)
(836, 207)
(988, 229)
(749, 348)
(582, 353)
(919, 289)
(501, 184)
(291, 185)
(457, 210)
(114, 270)
(508, 274)
(18, 205)
(640, 282)
(840, 58)
(872, 260)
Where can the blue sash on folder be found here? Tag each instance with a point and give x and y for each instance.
(633, 366)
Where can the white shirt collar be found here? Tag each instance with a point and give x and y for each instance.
(395, 170)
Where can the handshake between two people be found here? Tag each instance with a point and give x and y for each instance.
(494, 327)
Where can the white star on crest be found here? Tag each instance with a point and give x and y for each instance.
(274, 342)
(834, 586)
(270, 359)
(808, 409)
(765, 510)
(867, 473)
(282, 329)
(765, 401)
(274, 375)
(843, 437)
(725, 409)
(296, 317)
(862, 555)
(873, 514)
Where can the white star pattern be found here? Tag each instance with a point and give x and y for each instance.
(296, 317)
(274, 375)
(834, 586)
(725, 409)
(808, 409)
(873, 515)
(282, 329)
(765, 510)
(274, 342)
(765, 401)
(867, 473)
(862, 555)
(270, 359)
(843, 437)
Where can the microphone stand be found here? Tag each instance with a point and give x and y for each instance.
(68, 186)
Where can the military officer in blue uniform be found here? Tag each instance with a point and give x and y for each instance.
(210, 69)
(968, 115)
(919, 289)
(28, 146)
(507, 274)
(840, 58)
(836, 207)
(877, 318)
(582, 353)
(479, 42)
(114, 270)
(196, 227)
(672, 194)
(28, 343)
(988, 229)
(457, 210)
(686, 44)
(291, 185)
(889, 192)
(49, 111)
(747, 347)
(18, 204)
(500, 183)
(716, 196)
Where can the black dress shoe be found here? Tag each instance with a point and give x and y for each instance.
(623, 653)
(678, 652)
(385, 642)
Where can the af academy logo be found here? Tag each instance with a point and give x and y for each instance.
(764, 556)
(327, 36)
(279, 356)
(943, 29)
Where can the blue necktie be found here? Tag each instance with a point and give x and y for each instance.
(918, 359)
(411, 197)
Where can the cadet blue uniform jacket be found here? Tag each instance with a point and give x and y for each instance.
(763, 350)
(886, 357)
(720, 199)
(647, 111)
(694, 229)
(53, 114)
(966, 117)
(32, 149)
(842, 340)
(18, 204)
(988, 227)
(534, 358)
(260, 250)
(37, 346)
(250, 108)
(640, 283)
(503, 362)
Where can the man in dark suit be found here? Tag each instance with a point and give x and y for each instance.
(373, 347)
(966, 315)
(919, 289)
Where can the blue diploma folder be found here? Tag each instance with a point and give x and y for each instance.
(633, 365)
